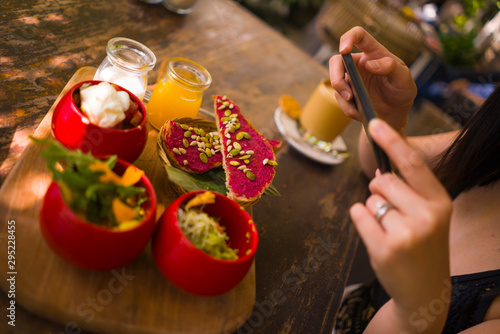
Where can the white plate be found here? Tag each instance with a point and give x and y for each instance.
(327, 153)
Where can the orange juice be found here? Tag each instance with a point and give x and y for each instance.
(322, 117)
(179, 93)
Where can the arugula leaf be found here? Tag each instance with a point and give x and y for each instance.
(88, 197)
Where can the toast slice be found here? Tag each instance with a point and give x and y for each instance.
(247, 157)
(190, 148)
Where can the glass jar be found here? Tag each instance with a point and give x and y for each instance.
(180, 6)
(179, 93)
(127, 64)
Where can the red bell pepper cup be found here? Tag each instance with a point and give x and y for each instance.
(73, 130)
(90, 246)
(193, 270)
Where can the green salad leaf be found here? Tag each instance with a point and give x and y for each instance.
(206, 181)
(81, 187)
(214, 179)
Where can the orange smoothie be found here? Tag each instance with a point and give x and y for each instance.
(322, 116)
(178, 94)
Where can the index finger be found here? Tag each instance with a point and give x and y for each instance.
(337, 77)
(408, 162)
(360, 38)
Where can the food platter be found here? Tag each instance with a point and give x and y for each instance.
(327, 153)
(133, 299)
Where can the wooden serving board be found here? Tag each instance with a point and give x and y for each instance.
(133, 299)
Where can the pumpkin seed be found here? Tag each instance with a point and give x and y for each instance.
(244, 157)
(184, 127)
(234, 152)
(234, 163)
(242, 135)
(187, 134)
(208, 152)
(227, 112)
(185, 142)
(203, 157)
(250, 175)
(272, 163)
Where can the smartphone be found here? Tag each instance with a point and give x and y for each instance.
(365, 108)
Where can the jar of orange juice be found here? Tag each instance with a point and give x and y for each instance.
(179, 93)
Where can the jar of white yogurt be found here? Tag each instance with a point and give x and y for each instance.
(127, 64)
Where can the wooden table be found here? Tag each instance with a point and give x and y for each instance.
(307, 241)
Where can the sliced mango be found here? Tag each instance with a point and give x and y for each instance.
(207, 197)
(131, 176)
(122, 211)
(128, 225)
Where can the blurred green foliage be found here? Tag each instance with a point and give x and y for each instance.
(458, 34)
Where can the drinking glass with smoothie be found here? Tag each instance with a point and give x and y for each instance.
(322, 117)
(179, 93)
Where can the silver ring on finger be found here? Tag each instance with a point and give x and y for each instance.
(382, 209)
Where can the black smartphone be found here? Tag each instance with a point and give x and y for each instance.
(365, 108)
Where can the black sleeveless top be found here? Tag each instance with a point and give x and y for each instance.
(471, 297)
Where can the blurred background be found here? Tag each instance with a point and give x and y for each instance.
(452, 48)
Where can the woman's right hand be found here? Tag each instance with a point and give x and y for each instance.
(409, 245)
(386, 77)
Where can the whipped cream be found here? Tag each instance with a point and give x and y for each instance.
(133, 83)
(103, 105)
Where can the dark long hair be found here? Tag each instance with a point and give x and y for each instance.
(474, 157)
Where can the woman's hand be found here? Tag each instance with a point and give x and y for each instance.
(408, 247)
(386, 77)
